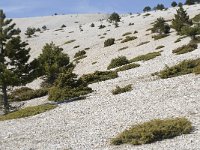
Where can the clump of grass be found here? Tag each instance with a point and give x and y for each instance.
(142, 43)
(79, 58)
(87, 48)
(26, 112)
(185, 49)
(147, 14)
(99, 76)
(196, 18)
(76, 46)
(120, 90)
(127, 67)
(146, 57)
(179, 39)
(159, 47)
(154, 130)
(94, 62)
(123, 48)
(159, 36)
(102, 37)
(80, 53)
(68, 42)
(116, 62)
(183, 68)
(129, 38)
(25, 93)
(127, 33)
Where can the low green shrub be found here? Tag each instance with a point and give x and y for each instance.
(71, 41)
(146, 57)
(68, 86)
(77, 46)
(117, 62)
(159, 36)
(25, 93)
(79, 58)
(185, 49)
(129, 38)
(159, 47)
(26, 112)
(127, 33)
(154, 130)
(123, 48)
(127, 67)
(142, 43)
(109, 42)
(80, 53)
(102, 26)
(120, 90)
(99, 76)
(196, 18)
(183, 68)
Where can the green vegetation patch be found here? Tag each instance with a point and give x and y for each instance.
(80, 53)
(99, 76)
(26, 112)
(120, 90)
(159, 36)
(159, 47)
(25, 93)
(127, 33)
(142, 43)
(155, 130)
(117, 62)
(129, 38)
(185, 49)
(127, 67)
(71, 41)
(146, 57)
(123, 48)
(196, 18)
(183, 68)
(109, 42)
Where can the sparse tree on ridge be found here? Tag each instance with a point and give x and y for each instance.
(174, 4)
(147, 9)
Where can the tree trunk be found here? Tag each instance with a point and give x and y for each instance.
(5, 98)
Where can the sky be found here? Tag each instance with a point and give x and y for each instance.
(33, 8)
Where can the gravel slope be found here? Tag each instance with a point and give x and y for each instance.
(90, 124)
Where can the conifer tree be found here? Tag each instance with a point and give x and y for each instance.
(161, 26)
(181, 19)
(52, 62)
(14, 56)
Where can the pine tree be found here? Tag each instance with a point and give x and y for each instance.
(147, 9)
(52, 62)
(161, 26)
(181, 19)
(14, 55)
(114, 17)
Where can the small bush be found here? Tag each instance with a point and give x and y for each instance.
(30, 31)
(196, 18)
(99, 76)
(159, 36)
(92, 25)
(26, 112)
(79, 58)
(127, 33)
(63, 26)
(142, 43)
(87, 48)
(159, 47)
(80, 53)
(77, 46)
(44, 27)
(68, 42)
(131, 24)
(120, 90)
(109, 42)
(120, 61)
(185, 49)
(25, 93)
(147, 14)
(154, 130)
(102, 26)
(123, 48)
(183, 68)
(146, 57)
(114, 17)
(178, 40)
(127, 67)
(128, 38)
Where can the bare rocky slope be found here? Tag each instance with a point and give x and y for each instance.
(90, 124)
